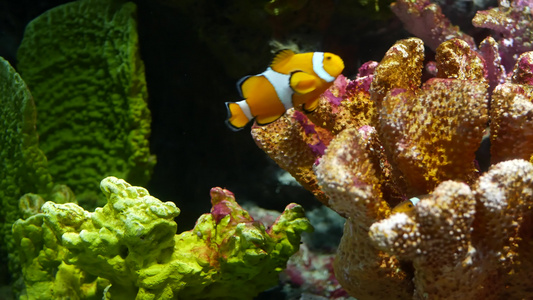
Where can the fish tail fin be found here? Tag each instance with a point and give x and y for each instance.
(237, 118)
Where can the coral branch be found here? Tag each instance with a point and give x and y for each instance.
(426, 21)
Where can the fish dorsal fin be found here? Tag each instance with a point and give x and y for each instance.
(240, 83)
(303, 83)
(281, 57)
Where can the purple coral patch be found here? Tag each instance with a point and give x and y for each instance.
(367, 69)
(397, 91)
(364, 77)
(220, 210)
(366, 131)
(309, 128)
(524, 69)
(318, 148)
(335, 101)
(339, 85)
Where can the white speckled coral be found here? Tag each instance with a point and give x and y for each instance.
(457, 258)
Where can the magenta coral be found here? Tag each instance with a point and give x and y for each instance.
(426, 21)
(512, 23)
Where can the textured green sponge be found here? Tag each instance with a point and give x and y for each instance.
(81, 61)
(24, 167)
(131, 244)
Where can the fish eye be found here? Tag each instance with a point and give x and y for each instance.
(410, 205)
(328, 57)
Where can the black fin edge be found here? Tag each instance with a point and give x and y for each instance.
(263, 124)
(240, 83)
(230, 126)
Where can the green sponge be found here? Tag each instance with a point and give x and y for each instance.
(81, 61)
(24, 166)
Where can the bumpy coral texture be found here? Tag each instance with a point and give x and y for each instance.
(352, 179)
(421, 136)
(81, 61)
(470, 237)
(512, 114)
(24, 166)
(285, 141)
(336, 113)
(432, 133)
(129, 249)
(455, 257)
(407, 54)
(291, 141)
(425, 20)
(512, 23)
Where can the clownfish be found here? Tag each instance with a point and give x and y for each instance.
(408, 206)
(290, 80)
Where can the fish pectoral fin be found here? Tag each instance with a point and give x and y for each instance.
(302, 83)
(237, 119)
(263, 120)
(311, 105)
(281, 57)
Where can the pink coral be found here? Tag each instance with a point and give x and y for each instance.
(512, 23)
(512, 115)
(426, 21)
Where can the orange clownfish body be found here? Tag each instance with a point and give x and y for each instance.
(291, 80)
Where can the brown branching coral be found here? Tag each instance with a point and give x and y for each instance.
(457, 258)
(503, 228)
(286, 143)
(296, 141)
(512, 114)
(349, 175)
(436, 239)
(426, 21)
(432, 132)
(421, 138)
(455, 59)
(433, 136)
(347, 104)
(407, 55)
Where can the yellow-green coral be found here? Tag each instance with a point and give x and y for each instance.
(24, 166)
(129, 249)
(81, 61)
